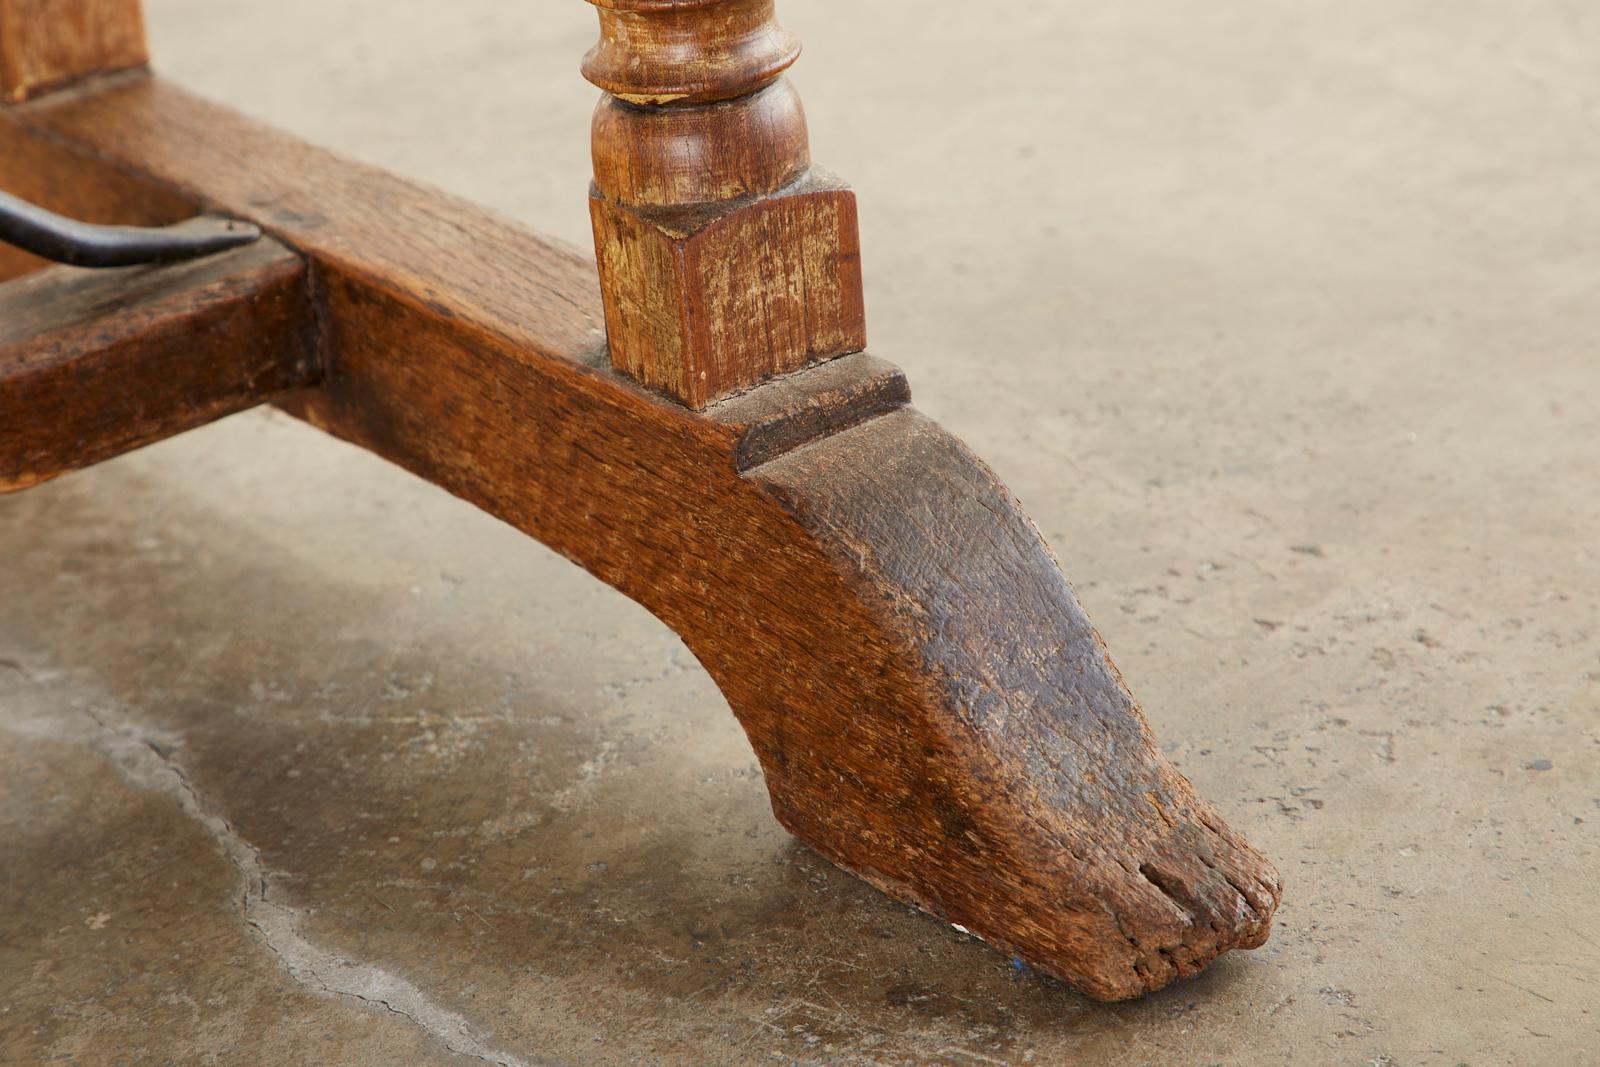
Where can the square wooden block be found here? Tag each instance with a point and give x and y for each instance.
(705, 302)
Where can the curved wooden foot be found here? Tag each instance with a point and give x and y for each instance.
(932, 708)
(935, 713)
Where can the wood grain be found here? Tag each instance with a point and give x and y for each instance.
(94, 363)
(32, 166)
(701, 304)
(675, 156)
(930, 705)
(725, 258)
(45, 44)
(688, 51)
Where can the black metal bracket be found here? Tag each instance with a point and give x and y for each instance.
(81, 244)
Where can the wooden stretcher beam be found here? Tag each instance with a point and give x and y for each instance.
(95, 363)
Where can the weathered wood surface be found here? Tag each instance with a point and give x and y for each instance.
(654, 52)
(96, 363)
(32, 166)
(725, 258)
(930, 706)
(45, 44)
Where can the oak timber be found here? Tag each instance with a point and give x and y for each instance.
(94, 363)
(45, 44)
(725, 257)
(32, 166)
(931, 708)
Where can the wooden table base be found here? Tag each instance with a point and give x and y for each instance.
(931, 707)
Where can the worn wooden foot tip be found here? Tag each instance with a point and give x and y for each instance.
(935, 713)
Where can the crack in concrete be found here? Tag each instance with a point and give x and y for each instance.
(146, 762)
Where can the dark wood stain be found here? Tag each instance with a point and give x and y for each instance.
(95, 363)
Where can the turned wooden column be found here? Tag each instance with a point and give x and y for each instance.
(725, 257)
(45, 44)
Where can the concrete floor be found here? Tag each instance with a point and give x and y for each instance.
(1282, 320)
